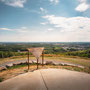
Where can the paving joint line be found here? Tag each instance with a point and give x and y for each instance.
(44, 80)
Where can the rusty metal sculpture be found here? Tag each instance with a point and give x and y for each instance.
(36, 52)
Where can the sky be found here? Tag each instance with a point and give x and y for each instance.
(44, 20)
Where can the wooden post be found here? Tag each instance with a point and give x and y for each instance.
(28, 59)
(37, 62)
(42, 58)
(2, 55)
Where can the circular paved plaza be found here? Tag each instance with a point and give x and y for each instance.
(48, 79)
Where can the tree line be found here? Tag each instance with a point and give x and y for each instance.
(14, 49)
(81, 53)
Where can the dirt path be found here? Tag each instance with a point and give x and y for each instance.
(54, 61)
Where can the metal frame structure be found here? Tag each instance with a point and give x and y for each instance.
(36, 58)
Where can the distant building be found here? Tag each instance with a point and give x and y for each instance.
(18, 51)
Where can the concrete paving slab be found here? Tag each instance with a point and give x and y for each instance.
(28, 81)
(59, 79)
(48, 79)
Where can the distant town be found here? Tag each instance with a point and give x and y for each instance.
(81, 49)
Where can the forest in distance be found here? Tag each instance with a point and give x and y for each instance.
(81, 49)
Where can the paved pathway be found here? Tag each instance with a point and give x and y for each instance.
(48, 79)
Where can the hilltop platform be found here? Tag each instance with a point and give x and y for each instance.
(48, 79)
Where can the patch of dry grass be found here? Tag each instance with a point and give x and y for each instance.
(80, 61)
(12, 72)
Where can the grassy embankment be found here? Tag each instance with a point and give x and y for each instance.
(16, 70)
(70, 59)
(21, 69)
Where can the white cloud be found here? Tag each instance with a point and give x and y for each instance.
(21, 30)
(69, 24)
(50, 29)
(43, 10)
(82, 1)
(6, 29)
(44, 23)
(75, 28)
(54, 1)
(14, 3)
(83, 6)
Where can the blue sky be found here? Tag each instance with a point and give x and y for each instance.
(45, 20)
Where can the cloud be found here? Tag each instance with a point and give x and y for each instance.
(54, 1)
(70, 28)
(83, 6)
(43, 10)
(21, 30)
(44, 23)
(6, 29)
(50, 29)
(14, 3)
(69, 24)
(82, 1)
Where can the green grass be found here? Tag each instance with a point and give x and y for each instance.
(78, 69)
(17, 66)
(18, 69)
(79, 61)
(1, 79)
(87, 70)
(22, 65)
(75, 60)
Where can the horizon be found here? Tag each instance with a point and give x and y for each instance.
(44, 42)
(45, 21)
